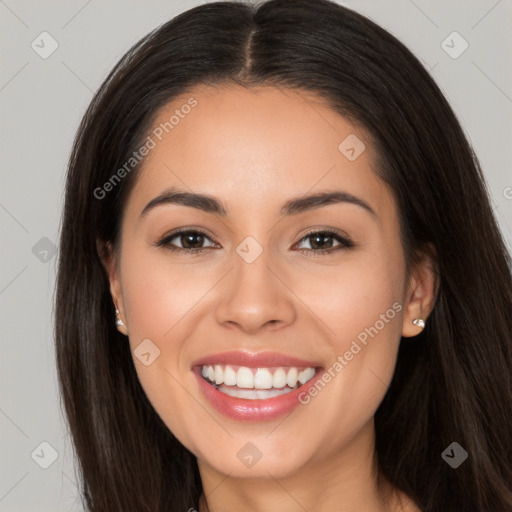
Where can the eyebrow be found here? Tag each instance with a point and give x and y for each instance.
(295, 206)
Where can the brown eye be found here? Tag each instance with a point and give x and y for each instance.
(322, 242)
(189, 240)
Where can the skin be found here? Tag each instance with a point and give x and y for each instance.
(254, 150)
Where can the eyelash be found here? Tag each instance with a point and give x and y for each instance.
(345, 243)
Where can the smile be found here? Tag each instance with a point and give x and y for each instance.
(256, 383)
(249, 386)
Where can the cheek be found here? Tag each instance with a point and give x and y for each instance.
(360, 310)
(157, 299)
(159, 294)
(353, 296)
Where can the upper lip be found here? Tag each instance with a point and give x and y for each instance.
(254, 360)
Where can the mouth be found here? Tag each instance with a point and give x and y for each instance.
(256, 383)
(245, 394)
(248, 386)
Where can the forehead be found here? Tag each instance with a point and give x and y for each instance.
(253, 126)
(256, 145)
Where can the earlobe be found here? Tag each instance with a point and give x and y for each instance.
(419, 322)
(109, 262)
(120, 324)
(421, 294)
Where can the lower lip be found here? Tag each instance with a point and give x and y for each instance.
(253, 410)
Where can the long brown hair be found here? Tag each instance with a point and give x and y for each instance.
(452, 382)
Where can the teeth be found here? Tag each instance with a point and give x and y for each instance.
(279, 379)
(260, 378)
(244, 378)
(253, 394)
(306, 374)
(219, 375)
(291, 378)
(263, 379)
(229, 376)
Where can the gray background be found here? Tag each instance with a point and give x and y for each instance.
(41, 103)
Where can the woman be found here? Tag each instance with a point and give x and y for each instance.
(281, 285)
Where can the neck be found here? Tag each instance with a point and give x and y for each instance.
(343, 481)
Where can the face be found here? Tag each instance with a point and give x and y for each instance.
(310, 289)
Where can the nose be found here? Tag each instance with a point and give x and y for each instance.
(255, 296)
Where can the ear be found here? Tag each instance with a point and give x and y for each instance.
(421, 292)
(110, 261)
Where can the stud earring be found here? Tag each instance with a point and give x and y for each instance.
(419, 322)
(120, 324)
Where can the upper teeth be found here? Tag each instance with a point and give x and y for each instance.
(260, 378)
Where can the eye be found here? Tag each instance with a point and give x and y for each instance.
(321, 242)
(189, 240)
